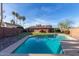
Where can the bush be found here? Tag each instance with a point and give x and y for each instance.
(67, 32)
(20, 27)
(57, 30)
(24, 30)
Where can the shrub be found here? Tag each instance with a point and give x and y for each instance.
(67, 32)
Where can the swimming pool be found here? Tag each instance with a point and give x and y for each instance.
(41, 44)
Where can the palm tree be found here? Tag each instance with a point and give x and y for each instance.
(1, 14)
(20, 18)
(16, 15)
(12, 21)
(23, 19)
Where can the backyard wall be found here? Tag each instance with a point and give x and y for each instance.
(6, 32)
(39, 30)
(74, 32)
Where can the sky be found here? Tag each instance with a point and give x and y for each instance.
(43, 13)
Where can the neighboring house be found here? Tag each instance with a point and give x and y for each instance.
(9, 25)
(40, 28)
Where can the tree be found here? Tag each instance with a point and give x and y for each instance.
(19, 18)
(16, 15)
(12, 21)
(1, 14)
(23, 19)
(65, 25)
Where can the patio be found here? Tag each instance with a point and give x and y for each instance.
(70, 47)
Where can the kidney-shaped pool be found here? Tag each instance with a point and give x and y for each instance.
(41, 44)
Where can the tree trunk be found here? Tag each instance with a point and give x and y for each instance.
(1, 14)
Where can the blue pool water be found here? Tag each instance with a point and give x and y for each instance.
(41, 44)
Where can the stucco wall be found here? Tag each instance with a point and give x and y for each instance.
(5, 32)
(38, 30)
(74, 32)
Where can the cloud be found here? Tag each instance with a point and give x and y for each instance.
(41, 21)
(48, 9)
(37, 21)
(75, 21)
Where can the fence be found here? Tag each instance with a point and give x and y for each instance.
(6, 32)
(74, 32)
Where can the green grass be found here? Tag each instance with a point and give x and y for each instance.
(34, 33)
(20, 36)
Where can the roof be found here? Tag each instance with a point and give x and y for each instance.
(11, 24)
(41, 26)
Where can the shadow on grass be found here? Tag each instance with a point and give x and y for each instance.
(20, 36)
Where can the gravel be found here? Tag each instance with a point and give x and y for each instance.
(5, 42)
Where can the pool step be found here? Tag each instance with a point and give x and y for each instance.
(70, 47)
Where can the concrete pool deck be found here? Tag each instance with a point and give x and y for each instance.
(70, 47)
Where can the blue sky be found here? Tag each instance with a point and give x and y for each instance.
(43, 13)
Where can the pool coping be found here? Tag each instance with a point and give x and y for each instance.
(68, 37)
(11, 48)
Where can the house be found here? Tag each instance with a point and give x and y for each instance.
(40, 28)
(9, 25)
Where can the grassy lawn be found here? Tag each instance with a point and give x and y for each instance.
(20, 36)
(38, 33)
